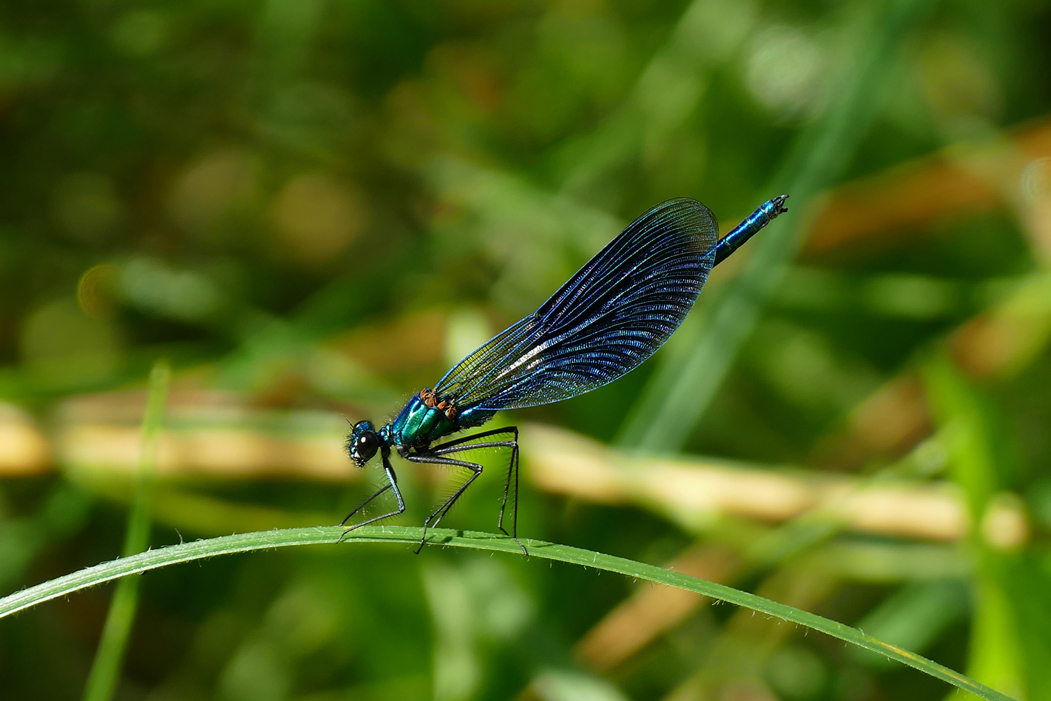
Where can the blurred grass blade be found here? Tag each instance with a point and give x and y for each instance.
(964, 418)
(915, 616)
(105, 671)
(1011, 628)
(700, 354)
(186, 552)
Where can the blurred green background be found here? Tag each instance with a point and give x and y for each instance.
(313, 208)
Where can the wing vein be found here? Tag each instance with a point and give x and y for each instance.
(615, 312)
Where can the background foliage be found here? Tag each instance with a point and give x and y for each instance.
(313, 208)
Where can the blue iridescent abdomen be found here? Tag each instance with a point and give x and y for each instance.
(749, 227)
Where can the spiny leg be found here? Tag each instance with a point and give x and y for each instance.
(438, 514)
(364, 504)
(457, 446)
(465, 444)
(505, 431)
(392, 483)
(512, 473)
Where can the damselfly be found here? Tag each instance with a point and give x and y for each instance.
(613, 314)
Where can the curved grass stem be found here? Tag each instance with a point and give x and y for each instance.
(264, 540)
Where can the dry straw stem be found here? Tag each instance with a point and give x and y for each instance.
(956, 182)
(690, 490)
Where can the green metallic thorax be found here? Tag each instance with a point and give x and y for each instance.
(419, 425)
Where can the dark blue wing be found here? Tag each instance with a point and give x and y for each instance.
(608, 318)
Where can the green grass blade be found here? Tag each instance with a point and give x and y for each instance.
(105, 671)
(1011, 621)
(186, 552)
(701, 354)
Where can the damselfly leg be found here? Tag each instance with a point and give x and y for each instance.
(436, 455)
(392, 483)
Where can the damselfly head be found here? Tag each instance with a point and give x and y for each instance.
(363, 442)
